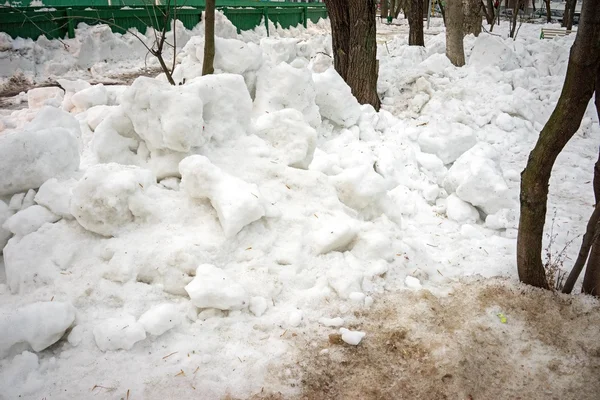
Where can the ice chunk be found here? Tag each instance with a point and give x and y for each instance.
(288, 132)
(460, 211)
(332, 322)
(160, 318)
(447, 140)
(352, 337)
(258, 305)
(31, 157)
(237, 203)
(359, 187)
(335, 99)
(93, 96)
(39, 97)
(412, 282)
(29, 220)
(214, 288)
(39, 324)
(491, 51)
(118, 333)
(333, 235)
(56, 196)
(295, 318)
(102, 199)
(280, 49)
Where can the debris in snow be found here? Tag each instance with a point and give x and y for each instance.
(352, 337)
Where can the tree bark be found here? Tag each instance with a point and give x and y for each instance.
(384, 8)
(568, 14)
(548, 12)
(488, 9)
(442, 10)
(355, 46)
(591, 279)
(562, 125)
(472, 18)
(513, 23)
(454, 33)
(209, 38)
(415, 22)
(392, 10)
(572, 5)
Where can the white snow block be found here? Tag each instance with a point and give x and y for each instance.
(118, 333)
(109, 196)
(280, 49)
(71, 87)
(258, 305)
(5, 234)
(160, 318)
(56, 196)
(335, 99)
(164, 116)
(31, 157)
(412, 282)
(288, 132)
(214, 288)
(477, 179)
(491, 51)
(460, 211)
(352, 337)
(447, 140)
(29, 220)
(237, 202)
(333, 235)
(331, 322)
(285, 86)
(39, 324)
(44, 96)
(90, 97)
(359, 187)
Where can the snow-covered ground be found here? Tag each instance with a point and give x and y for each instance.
(236, 236)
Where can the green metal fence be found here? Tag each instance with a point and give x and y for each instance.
(60, 21)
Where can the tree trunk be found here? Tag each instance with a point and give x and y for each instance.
(442, 10)
(562, 125)
(392, 10)
(472, 19)
(591, 280)
(513, 23)
(209, 38)
(568, 14)
(454, 33)
(548, 12)
(572, 5)
(490, 17)
(415, 21)
(355, 46)
(384, 8)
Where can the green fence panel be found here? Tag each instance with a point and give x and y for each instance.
(33, 24)
(315, 14)
(287, 17)
(243, 18)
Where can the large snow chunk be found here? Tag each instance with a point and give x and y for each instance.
(214, 288)
(227, 105)
(39, 97)
(29, 220)
(335, 99)
(280, 49)
(288, 132)
(39, 324)
(115, 140)
(492, 51)
(118, 333)
(5, 234)
(352, 337)
(90, 97)
(56, 196)
(165, 116)
(477, 179)
(71, 87)
(237, 202)
(160, 319)
(460, 211)
(334, 234)
(31, 157)
(285, 86)
(108, 197)
(447, 140)
(359, 187)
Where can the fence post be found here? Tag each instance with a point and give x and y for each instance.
(70, 24)
(305, 16)
(266, 15)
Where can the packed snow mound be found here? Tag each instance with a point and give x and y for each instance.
(45, 96)
(96, 95)
(237, 202)
(287, 86)
(118, 333)
(335, 99)
(359, 187)
(288, 132)
(491, 51)
(115, 140)
(110, 196)
(279, 50)
(460, 211)
(5, 234)
(477, 179)
(447, 141)
(56, 196)
(39, 325)
(160, 318)
(214, 288)
(39, 152)
(164, 116)
(29, 220)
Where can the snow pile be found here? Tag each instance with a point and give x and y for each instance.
(213, 288)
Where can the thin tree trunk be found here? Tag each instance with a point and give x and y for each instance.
(454, 33)
(548, 12)
(567, 15)
(513, 23)
(415, 21)
(355, 46)
(490, 17)
(572, 5)
(472, 18)
(392, 10)
(562, 125)
(591, 279)
(209, 38)
(443, 11)
(384, 8)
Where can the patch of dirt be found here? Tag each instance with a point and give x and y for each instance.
(419, 346)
